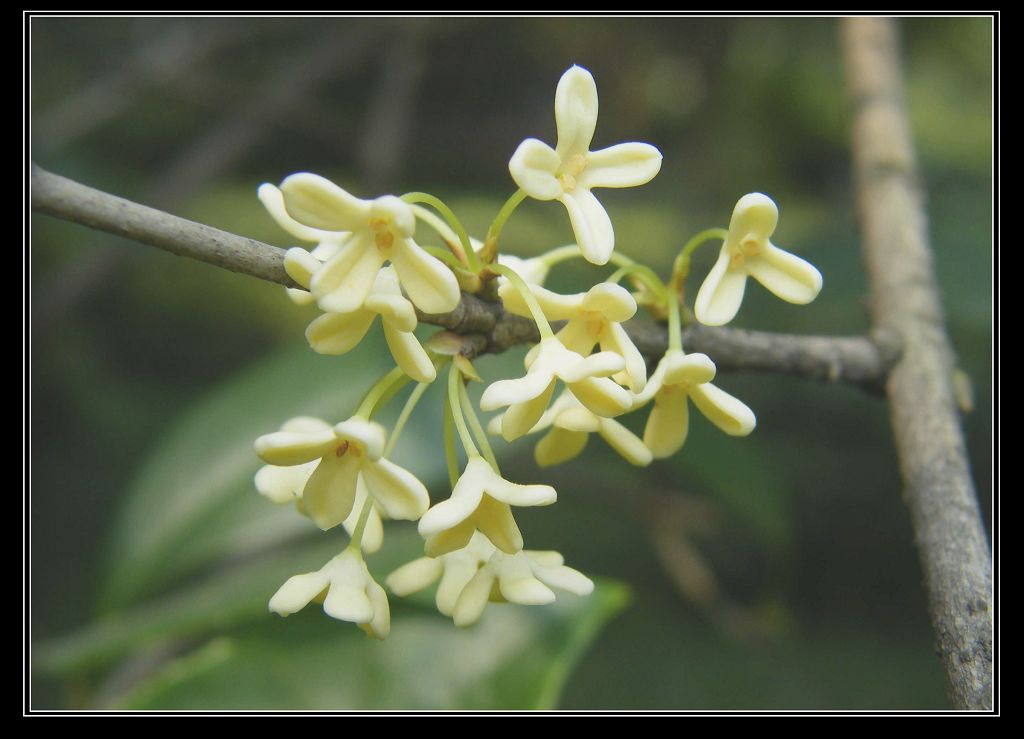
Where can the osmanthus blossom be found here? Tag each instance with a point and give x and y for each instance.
(479, 573)
(347, 452)
(748, 251)
(285, 485)
(346, 589)
(480, 501)
(338, 333)
(569, 425)
(525, 578)
(679, 378)
(570, 171)
(327, 242)
(381, 230)
(528, 397)
(592, 318)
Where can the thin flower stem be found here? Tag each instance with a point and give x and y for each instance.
(356, 543)
(675, 330)
(403, 417)
(681, 266)
(454, 378)
(444, 231)
(451, 454)
(478, 429)
(503, 215)
(560, 254)
(473, 262)
(372, 400)
(530, 299)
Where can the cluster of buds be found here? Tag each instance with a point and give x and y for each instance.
(366, 262)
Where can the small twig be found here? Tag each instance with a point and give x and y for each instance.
(485, 326)
(938, 488)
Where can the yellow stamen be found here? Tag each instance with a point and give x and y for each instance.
(340, 451)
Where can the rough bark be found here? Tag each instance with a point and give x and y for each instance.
(938, 489)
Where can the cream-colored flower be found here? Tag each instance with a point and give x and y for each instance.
(338, 333)
(328, 242)
(480, 573)
(569, 171)
(591, 318)
(570, 425)
(454, 569)
(748, 251)
(678, 377)
(347, 452)
(525, 578)
(347, 590)
(285, 484)
(481, 502)
(528, 396)
(381, 231)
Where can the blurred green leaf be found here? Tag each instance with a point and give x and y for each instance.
(515, 658)
(193, 501)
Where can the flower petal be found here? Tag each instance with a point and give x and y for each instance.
(283, 484)
(399, 493)
(602, 396)
(348, 601)
(668, 423)
(689, 369)
(522, 418)
(343, 283)
(380, 625)
(465, 498)
(730, 414)
(273, 201)
(612, 301)
(517, 390)
(533, 167)
(721, 293)
(459, 569)
(755, 216)
(317, 202)
(615, 339)
(409, 354)
(786, 275)
(564, 578)
(298, 591)
(575, 111)
(450, 540)
(301, 265)
(287, 448)
(625, 442)
(338, 333)
(494, 520)
(623, 165)
(600, 364)
(431, 286)
(559, 445)
(369, 434)
(473, 598)
(519, 495)
(518, 585)
(414, 576)
(331, 490)
(590, 224)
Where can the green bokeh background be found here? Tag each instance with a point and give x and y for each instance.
(772, 572)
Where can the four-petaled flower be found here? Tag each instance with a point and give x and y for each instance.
(346, 589)
(381, 231)
(591, 318)
(748, 251)
(678, 377)
(480, 502)
(586, 377)
(348, 451)
(570, 425)
(570, 170)
(338, 333)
